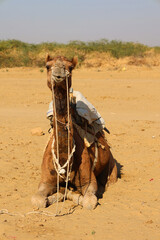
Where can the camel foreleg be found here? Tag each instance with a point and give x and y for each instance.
(41, 199)
(86, 182)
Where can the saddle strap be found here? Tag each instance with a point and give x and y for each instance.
(96, 156)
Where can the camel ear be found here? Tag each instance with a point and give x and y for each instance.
(74, 61)
(48, 58)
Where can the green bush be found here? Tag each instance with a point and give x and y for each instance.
(157, 50)
(16, 53)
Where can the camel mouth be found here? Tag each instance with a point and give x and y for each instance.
(58, 79)
(59, 74)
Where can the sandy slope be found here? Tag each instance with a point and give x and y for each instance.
(129, 101)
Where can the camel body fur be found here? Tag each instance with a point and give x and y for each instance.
(87, 178)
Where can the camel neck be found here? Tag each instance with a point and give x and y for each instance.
(60, 103)
(62, 125)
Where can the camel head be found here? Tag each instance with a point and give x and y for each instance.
(59, 70)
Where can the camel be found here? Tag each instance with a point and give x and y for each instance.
(70, 169)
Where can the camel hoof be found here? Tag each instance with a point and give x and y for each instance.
(90, 201)
(39, 201)
(53, 198)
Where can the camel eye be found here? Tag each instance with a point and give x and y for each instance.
(70, 68)
(48, 67)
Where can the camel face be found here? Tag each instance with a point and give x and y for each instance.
(58, 70)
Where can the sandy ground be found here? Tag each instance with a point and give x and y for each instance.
(129, 101)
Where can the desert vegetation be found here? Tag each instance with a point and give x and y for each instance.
(14, 53)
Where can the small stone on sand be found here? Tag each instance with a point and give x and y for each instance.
(37, 131)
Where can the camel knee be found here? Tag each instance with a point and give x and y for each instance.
(39, 201)
(46, 189)
(90, 188)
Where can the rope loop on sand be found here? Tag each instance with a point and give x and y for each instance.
(48, 214)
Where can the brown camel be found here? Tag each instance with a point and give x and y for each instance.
(66, 157)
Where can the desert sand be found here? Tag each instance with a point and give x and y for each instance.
(129, 101)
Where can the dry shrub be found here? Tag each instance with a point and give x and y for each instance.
(137, 61)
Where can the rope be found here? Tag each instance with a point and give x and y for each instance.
(49, 214)
(69, 155)
(55, 115)
(61, 169)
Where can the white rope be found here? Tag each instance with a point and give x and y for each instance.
(49, 214)
(61, 169)
(69, 155)
(55, 115)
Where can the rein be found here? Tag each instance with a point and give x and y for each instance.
(61, 169)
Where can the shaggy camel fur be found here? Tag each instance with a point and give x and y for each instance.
(85, 181)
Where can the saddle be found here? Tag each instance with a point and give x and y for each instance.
(86, 119)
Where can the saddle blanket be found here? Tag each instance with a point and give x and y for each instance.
(84, 109)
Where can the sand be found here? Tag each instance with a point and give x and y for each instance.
(129, 101)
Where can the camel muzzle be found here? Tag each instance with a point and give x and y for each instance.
(59, 74)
